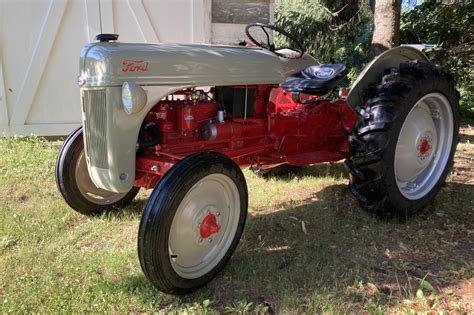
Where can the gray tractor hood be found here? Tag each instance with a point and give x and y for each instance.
(110, 64)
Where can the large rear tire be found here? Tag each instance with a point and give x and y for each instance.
(405, 139)
(192, 222)
(76, 186)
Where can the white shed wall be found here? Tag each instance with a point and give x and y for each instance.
(40, 41)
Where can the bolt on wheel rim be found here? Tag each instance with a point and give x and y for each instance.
(87, 188)
(424, 146)
(204, 226)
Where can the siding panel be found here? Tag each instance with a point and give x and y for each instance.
(241, 12)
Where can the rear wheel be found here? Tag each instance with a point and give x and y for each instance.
(192, 222)
(403, 144)
(76, 186)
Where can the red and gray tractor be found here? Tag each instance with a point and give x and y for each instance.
(183, 120)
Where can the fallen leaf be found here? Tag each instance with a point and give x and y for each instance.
(372, 289)
(303, 227)
(427, 286)
(419, 294)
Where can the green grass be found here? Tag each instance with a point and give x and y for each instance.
(54, 260)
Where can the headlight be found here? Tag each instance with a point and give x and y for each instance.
(133, 97)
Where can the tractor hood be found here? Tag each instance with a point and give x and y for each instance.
(110, 64)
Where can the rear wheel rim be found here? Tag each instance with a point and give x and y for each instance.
(193, 252)
(88, 189)
(424, 146)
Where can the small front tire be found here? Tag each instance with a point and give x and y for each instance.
(192, 222)
(76, 186)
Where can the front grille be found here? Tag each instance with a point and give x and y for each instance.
(95, 127)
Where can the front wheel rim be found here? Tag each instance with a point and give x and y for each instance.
(204, 226)
(87, 188)
(424, 146)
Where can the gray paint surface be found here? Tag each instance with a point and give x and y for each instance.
(373, 72)
(104, 64)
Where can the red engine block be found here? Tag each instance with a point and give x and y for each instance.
(279, 130)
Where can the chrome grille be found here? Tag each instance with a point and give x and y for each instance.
(95, 127)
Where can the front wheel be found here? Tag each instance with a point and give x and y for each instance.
(405, 140)
(192, 222)
(76, 186)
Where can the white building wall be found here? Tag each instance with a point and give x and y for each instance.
(40, 41)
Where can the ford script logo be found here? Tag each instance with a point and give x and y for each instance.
(134, 66)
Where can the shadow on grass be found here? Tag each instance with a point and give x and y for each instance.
(321, 170)
(343, 251)
(345, 247)
(336, 170)
(465, 138)
(133, 211)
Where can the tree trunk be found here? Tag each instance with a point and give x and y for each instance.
(386, 26)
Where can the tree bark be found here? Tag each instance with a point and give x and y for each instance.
(386, 26)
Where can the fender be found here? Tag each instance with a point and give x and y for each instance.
(374, 70)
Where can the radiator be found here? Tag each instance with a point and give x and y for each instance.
(95, 127)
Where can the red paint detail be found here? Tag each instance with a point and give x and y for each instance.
(425, 146)
(144, 176)
(134, 66)
(186, 121)
(209, 226)
(343, 93)
(279, 131)
(80, 81)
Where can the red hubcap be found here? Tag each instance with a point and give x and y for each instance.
(209, 226)
(425, 147)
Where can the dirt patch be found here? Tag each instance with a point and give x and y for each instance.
(465, 293)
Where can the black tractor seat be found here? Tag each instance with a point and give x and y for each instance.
(316, 80)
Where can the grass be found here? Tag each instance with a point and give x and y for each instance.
(54, 260)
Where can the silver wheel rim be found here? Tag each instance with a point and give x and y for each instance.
(192, 254)
(424, 146)
(87, 188)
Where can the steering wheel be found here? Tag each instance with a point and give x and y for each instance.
(270, 45)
